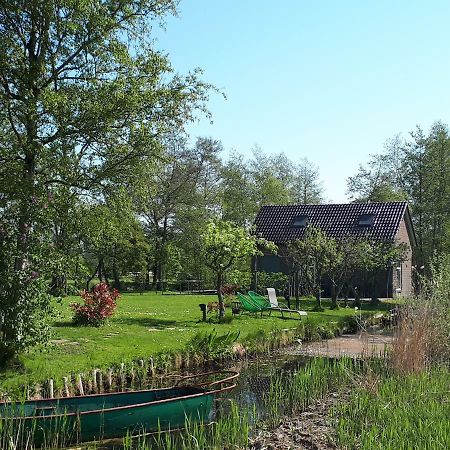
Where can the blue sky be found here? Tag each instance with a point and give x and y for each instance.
(326, 80)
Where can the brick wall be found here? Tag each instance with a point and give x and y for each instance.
(405, 287)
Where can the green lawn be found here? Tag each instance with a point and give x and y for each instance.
(143, 326)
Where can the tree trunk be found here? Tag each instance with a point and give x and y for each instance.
(219, 294)
(346, 294)
(374, 299)
(357, 302)
(319, 298)
(88, 282)
(58, 285)
(117, 284)
(334, 295)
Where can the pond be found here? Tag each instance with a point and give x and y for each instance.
(257, 375)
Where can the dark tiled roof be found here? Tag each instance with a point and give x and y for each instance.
(274, 222)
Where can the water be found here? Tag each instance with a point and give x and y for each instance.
(254, 382)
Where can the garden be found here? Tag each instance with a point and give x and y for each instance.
(125, 242)
(150, 324)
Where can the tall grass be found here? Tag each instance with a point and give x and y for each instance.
(231, 431)
(402, 412)
(422, 337)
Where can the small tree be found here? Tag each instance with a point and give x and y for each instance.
(223, 245)
(350, 258)
(316, 254)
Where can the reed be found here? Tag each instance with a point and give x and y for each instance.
(403, 412)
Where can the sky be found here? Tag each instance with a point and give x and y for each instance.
(327, 80)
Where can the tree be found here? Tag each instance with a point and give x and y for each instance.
(316, 254)
(176, 195)
(416, 169)
(106, 229)
(272, 177)
(223, 245)
(350, 260)
(238, 203)
(307, 188)
(382, 179)
(84, 99)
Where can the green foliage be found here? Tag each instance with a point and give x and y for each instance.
(242, 278)
(85, 100)
(277, 280)
(25, 305)
(416, 169)
(397, 412)
(210, 345)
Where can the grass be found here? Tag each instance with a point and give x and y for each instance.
(143, 326)
(399, 413)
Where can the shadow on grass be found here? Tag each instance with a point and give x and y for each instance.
(65, 324)
(147, 322)
(311, 305)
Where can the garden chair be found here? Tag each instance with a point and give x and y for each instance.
(274, 304)
(249, 305)
(264, 303)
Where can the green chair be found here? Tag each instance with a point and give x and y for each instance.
(271, 306)
(259, 300)
(249, 305)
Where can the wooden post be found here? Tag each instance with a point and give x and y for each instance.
(110, 382)
(80, 384)
(66, 387)
(51, 391)
(152, 367)
(99, 381)
(132, 374)
(122, 375)
(94, 380)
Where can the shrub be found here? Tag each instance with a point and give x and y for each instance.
(229, 289)
(211, 345)
(98, 306)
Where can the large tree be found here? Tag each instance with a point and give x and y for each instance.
(84, 99)
(307, 187)
(417, 169)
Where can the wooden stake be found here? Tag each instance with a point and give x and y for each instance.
(110, 373)
(80, 384)
(66, 387)
(51, 391)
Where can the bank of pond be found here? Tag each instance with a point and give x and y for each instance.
(378, 409)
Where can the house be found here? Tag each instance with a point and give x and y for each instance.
(383, 221)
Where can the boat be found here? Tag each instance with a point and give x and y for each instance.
(111, 415)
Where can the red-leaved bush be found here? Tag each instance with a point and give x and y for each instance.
(98, 306)
(229, 289)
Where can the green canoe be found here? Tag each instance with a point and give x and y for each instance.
(104, 416)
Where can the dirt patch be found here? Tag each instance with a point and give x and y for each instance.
(313, 429)
(364, 344)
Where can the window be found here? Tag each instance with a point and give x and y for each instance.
(366, 220)
(300, 221)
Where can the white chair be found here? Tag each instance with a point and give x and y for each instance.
(274, 304)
